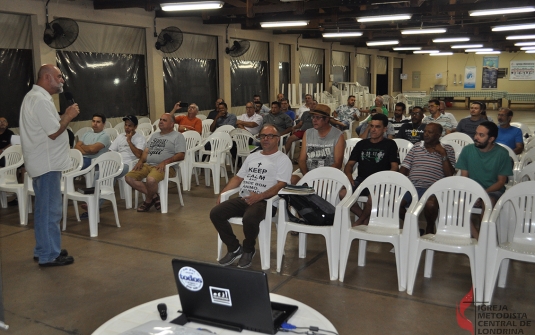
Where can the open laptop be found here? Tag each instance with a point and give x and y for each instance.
(227, 297)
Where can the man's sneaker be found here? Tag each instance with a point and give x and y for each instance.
(230, 257)
(246, 259)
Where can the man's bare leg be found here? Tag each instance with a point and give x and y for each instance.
(431, 214)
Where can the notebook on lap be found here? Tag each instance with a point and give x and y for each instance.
(227, 297)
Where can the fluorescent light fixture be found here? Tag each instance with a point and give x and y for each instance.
(514, 27)
(523, 44)
(479, 49)
(407, 48)
(466, 46)
(343, 34)
(520, 37)
(451, 39)
(382, 18)
(441, 54)
(530, 51)
(527, 48)
(376, 43)
(283, 24)
(426, 52)
(502, 11)
(200, 5)
(488, 53)
(424, 31)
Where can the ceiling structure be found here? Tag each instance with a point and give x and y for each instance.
(340, 15)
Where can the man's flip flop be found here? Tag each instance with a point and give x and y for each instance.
(145, 206)
(157, 203)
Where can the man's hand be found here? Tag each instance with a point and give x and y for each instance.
(161, 167)
(253, 198)
(350, 177)
(129, 137)
(72, 111)
(138, 166)
(440, 150)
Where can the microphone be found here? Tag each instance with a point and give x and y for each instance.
(69, 98)
(162, 308)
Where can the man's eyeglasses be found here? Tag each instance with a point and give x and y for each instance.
(270, 136)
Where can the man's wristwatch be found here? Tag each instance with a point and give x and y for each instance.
(444, 158)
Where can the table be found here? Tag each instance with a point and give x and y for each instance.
(495, 96)
(418, 100)
(304, 317)
(520, 98)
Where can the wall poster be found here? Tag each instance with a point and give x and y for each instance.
(522, 70)
(489, 78)
(470, 77)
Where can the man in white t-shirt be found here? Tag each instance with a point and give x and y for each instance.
(45, 147)
(261, 177)
(249, 120)
(129, 144)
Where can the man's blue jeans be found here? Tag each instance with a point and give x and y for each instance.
(47, 217)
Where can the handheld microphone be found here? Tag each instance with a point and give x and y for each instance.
(162, 308)
(69, 97)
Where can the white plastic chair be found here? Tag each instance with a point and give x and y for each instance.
(206, 128)
(264, 235)
(80, 133)
(201, 117)
(460, 138)
(516, 162)
(511, 234)
(527, 173)
(155, 125)
(283, 140)
(75, 164)
(404, 147)
(119, 127)
(8, 180)
(110, 165)
(456, 198)
(193, 139)
(387, 189)
(327, 182)
(220, 143)
(144, 120)
(227, 128)
(457, 148)
(112, 133)
(241, 137)
(145, 129)
(125, 190)
(350, 145)
(525, 130)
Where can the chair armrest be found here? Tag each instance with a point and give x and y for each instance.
(226, 195)
(169, 166)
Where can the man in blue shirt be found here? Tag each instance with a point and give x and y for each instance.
(507, 134)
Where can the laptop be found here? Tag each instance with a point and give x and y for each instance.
(227, 297)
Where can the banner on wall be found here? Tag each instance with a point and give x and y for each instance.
(522, 70)
(470, 77)
(489, 77)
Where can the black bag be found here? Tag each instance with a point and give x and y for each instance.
(313, 209)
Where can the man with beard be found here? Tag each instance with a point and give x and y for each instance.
(413, 131)
(397, 121)
(507, 134)
(223, 118)
(486, 162)
(95, 143)
(344, 114)
(469, 124)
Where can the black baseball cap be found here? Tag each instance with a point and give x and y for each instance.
(131, 118)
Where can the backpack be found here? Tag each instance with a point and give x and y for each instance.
(312, 209)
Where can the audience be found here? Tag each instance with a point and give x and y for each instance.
(304, 123)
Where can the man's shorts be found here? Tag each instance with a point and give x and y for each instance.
(150, 171)
(299, 134)
(365, 192)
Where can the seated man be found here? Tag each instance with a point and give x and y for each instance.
(365, 131)
(427, 162)
(164, 147)
(344, 114)
(189, 121)
(323, 145)
(249, 120)
(469, 124)
(507, 134)
(285, 108)
(399, 117)
(280, 120)
(5, 138)
(223, 118)
(374, 154)
(305, 107)
(95, 143)
(263, 109)
(261, 176)
(487, 163)
(304, 123)
(214, 112)
(413, 131)
(435, 115)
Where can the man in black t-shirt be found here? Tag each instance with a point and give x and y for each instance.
(413, 131)
(372, 155)
(5, 138)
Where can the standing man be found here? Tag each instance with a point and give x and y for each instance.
(427, 162)
(5, 138)
(249, 120)
(398, 120)
(189, 121)
(95, 143)
(223, 118)
(281, 121)
(165, 146)
(437, 117)
(285, 108)
(45, 147)
(469, 124)
(306, 106)
(344, 114)
(486, 163)
(214, 112)
(263, 110)
(413, 131)
(507, 134)
(262, 175)
(374, 154)
(323, 145)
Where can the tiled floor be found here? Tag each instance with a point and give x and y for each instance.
(124, 267)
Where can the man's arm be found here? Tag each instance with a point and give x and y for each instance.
(142, 160)
(339, 152)
(348, 170)
(272, 191)
(302, 162)
(233, 183)
(364, 134)
(70, 113)
(498, 185)
(287, 130)
(394, 166)
(246, 124)
(519, 148)
(448, 169)
(175, 158)
(213, 126)
(89, 149)
(135, 150)
(403, 170)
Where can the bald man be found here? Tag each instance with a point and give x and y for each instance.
(45, 146)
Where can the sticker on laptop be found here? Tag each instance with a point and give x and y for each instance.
(190, 278)
(220, 296)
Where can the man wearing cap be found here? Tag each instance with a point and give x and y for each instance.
(95, 143)
(129, 144)
(189, 121)
(281, 121)
(165, 147)
(323, 145)
(469, 124)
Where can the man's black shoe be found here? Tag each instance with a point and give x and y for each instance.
(63, 253)
(59, 261)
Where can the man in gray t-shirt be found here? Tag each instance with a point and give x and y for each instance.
(164, 147)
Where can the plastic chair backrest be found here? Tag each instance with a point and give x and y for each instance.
(227, 128)
(110, 165)
(456, 197)
(220, 142)
(13, 159)
(145, 128)
(525, 129)
(202, 117)
(206, 128)
(155, 125)
(193, 138)
(119, 127)
(459, 138)
(144, 120)
(404, 147)
(80, 133)
(242, 137)
(456, 147)
(387, 189)
(527, 158)
(112, 133)
(512, 154)
(527, 173)
(350, 144)
(327, 182)
(75, 161)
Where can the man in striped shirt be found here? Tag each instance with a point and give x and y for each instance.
(427, 162)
